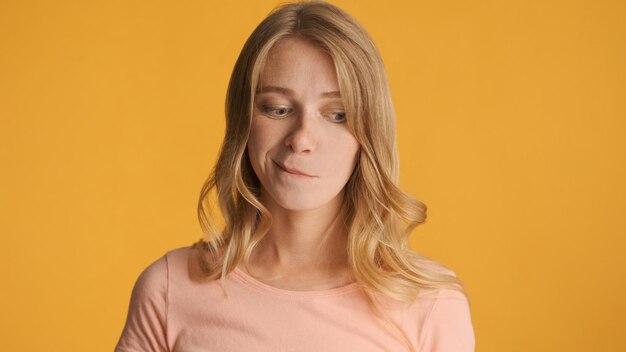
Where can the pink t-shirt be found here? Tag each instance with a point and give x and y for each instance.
(170, 312)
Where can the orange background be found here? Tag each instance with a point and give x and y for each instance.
(511, 127)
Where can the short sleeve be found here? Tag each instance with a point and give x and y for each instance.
(449, 325)
(146, 322)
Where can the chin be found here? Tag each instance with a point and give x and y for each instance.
(301, 204)
(305, 201)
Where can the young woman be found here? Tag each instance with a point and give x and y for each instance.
(312, 254)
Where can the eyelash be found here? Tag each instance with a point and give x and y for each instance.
(269, 109)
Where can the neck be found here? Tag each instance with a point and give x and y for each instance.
(306, 240)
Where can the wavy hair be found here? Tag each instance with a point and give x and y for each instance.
(378, 215)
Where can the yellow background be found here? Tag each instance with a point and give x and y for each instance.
(511, 126)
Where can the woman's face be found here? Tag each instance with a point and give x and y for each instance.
(299, 146)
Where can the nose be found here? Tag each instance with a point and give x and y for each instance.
(304, 133)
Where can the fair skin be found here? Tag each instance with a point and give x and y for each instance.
(303, 154)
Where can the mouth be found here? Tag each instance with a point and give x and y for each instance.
(292, 171)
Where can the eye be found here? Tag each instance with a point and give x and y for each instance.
(337, 116)
(278, 111)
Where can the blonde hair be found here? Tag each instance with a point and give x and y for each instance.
(378, 215)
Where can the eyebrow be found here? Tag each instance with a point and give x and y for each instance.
(290, 92)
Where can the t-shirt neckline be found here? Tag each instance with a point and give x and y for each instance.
(259, 285)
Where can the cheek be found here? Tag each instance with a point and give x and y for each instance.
(263, 132)
(344, 151)
(350, 145)
(254, 150)
(258, 138)
(262, 139)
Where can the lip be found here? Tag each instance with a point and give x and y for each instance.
(292, 171)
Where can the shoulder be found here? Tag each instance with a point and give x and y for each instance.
(179, 258)
(159, 268)
(430, 266)
(443, 314)
(153, 279)
(178, 266)
(447, 322)
(146, 321)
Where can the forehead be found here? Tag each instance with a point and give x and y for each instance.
(299, 65)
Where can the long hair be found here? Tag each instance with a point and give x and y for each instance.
(378, 215)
